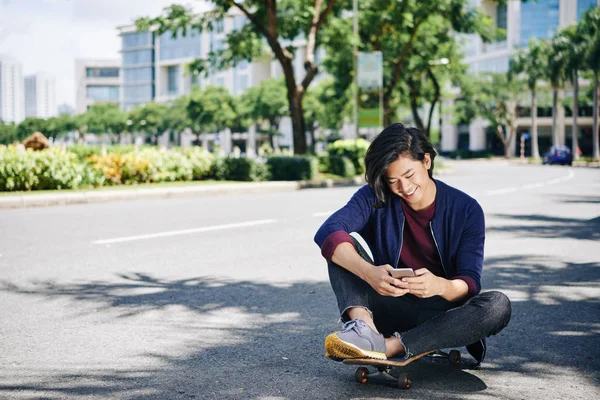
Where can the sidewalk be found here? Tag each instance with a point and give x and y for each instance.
(98, 196)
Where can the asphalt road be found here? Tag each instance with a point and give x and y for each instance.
(227, 297)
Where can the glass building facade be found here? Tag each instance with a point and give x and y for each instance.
(539, 20)
(103, 93)
(180, 46)
(583, 6)
(138, 68)
(102, 72)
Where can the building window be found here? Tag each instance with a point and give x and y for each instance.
(220, 81)
(102, 72)
(137, 75)
(239, 21)
(172, 79)
(137, 94)
(137, 57)
(219, 26)
(502, 17)
(241, 83)
(539, 20)
(188, 46)
(136, 39)
(103, 93)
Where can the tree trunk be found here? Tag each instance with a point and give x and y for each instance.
(313, 144)
(575, 110)
(535, 149)
(297, 113)
(596, 152)
(414, 106)
(555, 140)
(437, 92)
(505, 141)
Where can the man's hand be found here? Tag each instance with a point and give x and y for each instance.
(424, 285)
(379, 278)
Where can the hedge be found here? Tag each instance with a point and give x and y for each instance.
(292, 168)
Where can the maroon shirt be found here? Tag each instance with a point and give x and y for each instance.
(418, 247)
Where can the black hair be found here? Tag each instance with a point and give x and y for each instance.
(392, 142)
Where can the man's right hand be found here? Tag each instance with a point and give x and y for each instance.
(380, 279)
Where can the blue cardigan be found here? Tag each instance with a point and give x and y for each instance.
(458, 229)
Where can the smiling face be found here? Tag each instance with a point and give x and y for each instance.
(410, 180)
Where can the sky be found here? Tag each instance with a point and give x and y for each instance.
(49, 35)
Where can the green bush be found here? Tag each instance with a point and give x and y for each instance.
(43, 170)
(293, 168)
(341, 166)
(201, 161)
(83, 152)
(239, 169)
(355, 150)
(323, 159)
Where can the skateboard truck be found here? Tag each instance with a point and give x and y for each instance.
(387, 371)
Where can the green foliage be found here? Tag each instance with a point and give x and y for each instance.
(354, 150)
(285, 168)
(211, 109)
(342, 166)
(38, 170)
(30, 126)
(8, 133)
(323, 163)
(105, 118)
(201, 161)
(239, 169)
(266, 102)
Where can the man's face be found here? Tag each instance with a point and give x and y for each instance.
(409, 179)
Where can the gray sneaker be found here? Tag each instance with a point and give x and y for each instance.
(355, 340)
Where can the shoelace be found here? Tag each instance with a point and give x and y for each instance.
(350, 325)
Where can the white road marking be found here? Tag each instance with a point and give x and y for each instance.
(185, 231)
(513, 189)
(323, 214)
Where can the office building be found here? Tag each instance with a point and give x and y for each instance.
(522, 21)
(12, 103)
(40, 96)
(97, 81)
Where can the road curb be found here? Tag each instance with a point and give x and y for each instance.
(87, 197)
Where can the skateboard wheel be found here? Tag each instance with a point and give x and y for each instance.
(454, 357)
(360, 375)
(404, 381)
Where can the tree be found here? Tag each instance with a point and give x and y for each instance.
(271, 21)
(492, 97)
(573, 45)
(8, 132)
(103, 118)
(210, 110)
(149, 118)
(589, 28)
(556, 74)
(176, 118)
(533, 64)
(394, 27)
(266, 103)
(29, 126)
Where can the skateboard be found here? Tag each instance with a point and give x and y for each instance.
(388, 370)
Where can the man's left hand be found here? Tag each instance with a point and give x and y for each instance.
(424, 285)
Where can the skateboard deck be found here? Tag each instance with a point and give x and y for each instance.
(388, 370)
(398, 362)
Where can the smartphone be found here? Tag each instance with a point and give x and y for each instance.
(402, 272)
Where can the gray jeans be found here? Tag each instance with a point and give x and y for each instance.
(423, 324)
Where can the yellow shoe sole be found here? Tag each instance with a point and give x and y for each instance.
(338, 349)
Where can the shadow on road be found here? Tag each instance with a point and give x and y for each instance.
(277, 349)
(547, 227)
(555, 324)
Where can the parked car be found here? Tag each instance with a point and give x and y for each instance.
(558, 155)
